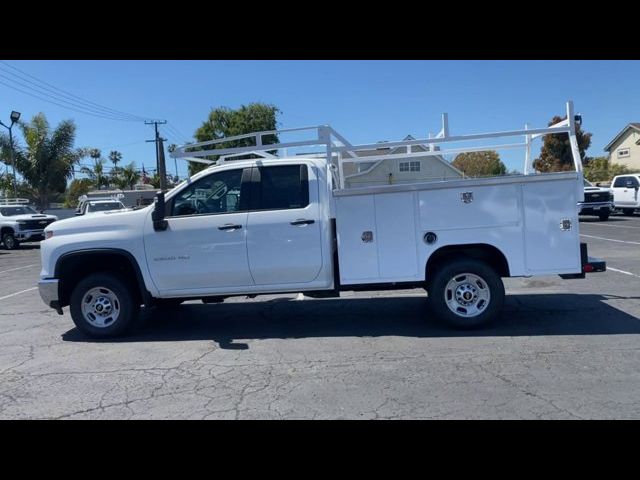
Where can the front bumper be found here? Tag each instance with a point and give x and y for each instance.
(48, 289)
(29, 235)
(595, 207)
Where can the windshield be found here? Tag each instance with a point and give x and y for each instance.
(101, 207)
(11, 211)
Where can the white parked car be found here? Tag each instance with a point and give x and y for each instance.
(625, 192)
(21, 223)
(288, 225)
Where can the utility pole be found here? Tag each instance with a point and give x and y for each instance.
(160, 166)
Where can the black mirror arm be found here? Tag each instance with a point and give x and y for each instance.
(158, 214)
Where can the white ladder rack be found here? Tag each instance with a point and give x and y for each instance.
(340, 151)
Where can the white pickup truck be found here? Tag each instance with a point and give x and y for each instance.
(268, 225)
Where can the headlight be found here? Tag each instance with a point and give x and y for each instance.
(48, 234)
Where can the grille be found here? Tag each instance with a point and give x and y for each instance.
(35, 224)
(593, 197)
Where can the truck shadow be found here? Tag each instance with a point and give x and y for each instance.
(523, 315)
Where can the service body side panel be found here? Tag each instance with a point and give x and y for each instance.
(519, 216)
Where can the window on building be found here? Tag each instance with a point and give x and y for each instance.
(623, 152)
(409, 166)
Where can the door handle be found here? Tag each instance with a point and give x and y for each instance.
(303, 222)
(229, 226)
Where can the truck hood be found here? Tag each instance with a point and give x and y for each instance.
(99, 221)
(30, 216)
(597, 189)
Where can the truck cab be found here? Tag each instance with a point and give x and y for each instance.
(625, 191)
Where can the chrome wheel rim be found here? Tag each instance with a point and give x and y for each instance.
(467, 295)
(9, 242)
(100, 307)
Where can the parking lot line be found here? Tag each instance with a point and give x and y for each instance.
(623, 271)
(607, 225)
(18, 293)
(18, 268)
(609, 239)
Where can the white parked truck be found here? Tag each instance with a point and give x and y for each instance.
(19, 222)
(271, 224)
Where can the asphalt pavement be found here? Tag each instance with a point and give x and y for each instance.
(561, 349)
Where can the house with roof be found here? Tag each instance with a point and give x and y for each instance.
(625, 147)
(390, 171)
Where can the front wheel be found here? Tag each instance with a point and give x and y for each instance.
(9, 241)
(466, 293)
(103, 305)
(603, 216)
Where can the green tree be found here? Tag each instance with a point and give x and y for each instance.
(129, 177)
(601, 169)
(480, 164)
(47, 160)
(225, 122)
(78, 187)
(555, 155)
(94, 153)
(115, 157)
(97, 174)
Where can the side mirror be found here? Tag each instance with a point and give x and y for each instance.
(159, 222)
(78, 214)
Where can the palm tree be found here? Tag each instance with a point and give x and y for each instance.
(94, 153)
(130, 176)
(47, 160)
(115, 157)
(96, 173)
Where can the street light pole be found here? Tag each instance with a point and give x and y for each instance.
(15, 116)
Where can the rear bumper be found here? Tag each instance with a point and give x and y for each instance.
(589, 264)
(48, 289)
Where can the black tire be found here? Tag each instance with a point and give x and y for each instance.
(628, 211)
(604, 216)
(437, 289)
(9, 241)
(127, 303)
(168, 302)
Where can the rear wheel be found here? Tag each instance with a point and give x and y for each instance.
(604, 215)
(627, 211)
(9, 241)
(102, 305)
(466, 293)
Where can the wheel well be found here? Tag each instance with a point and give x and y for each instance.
(4, 230)
(72, 268)
(479, 251)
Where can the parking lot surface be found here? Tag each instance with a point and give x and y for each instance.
(561, 349)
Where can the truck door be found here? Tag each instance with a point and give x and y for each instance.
(204, 247)
(283, 228)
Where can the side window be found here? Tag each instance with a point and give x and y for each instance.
(633, 182)
(282, 187)
(620, 182)
(215, 193)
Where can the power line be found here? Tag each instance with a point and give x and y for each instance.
(56, 103)
(84, 103)
(66, 103)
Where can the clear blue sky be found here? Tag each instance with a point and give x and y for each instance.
(366, 101)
